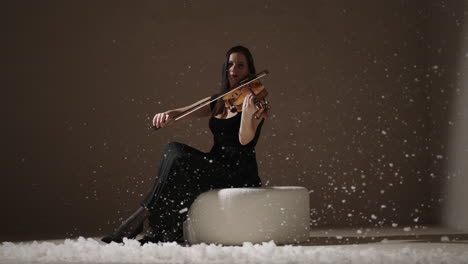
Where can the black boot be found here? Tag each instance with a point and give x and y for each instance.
(149, 239)
(130, 228)
(151, 236)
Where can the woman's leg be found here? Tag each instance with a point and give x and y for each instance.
(130, 228)
(184, 173)
(181, 178)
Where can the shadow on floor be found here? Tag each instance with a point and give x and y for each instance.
(438, 238)
(333, 241)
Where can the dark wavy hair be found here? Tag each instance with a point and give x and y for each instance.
(219, 107)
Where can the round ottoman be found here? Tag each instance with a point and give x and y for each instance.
(236, 215)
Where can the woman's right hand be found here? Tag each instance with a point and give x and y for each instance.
(161, 119)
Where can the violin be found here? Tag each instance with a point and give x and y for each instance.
(234, 98)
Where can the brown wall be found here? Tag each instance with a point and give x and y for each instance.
(351, 118)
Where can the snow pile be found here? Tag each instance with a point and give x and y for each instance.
(88, 250)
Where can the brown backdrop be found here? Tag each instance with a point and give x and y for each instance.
(360, 94)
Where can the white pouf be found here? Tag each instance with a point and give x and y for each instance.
(236, 215)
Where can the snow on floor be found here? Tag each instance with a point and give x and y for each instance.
(91, 250)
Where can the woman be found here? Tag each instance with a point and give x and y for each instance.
(185, 172)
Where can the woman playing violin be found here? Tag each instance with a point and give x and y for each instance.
(186, 172)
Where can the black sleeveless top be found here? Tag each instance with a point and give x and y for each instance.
(227, 146)
(226, 132)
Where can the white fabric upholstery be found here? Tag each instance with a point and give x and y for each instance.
(236, 215)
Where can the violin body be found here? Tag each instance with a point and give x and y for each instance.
(234, 100)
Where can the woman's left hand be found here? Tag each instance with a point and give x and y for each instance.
(248, 106)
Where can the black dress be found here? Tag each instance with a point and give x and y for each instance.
(186, 172)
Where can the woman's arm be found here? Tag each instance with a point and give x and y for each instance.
(249, 124)
(161, 119)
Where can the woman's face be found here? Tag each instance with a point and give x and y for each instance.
(238, 69)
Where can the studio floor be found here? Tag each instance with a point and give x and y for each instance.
(365, 245)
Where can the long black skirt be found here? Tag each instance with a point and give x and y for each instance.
(185, 173)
